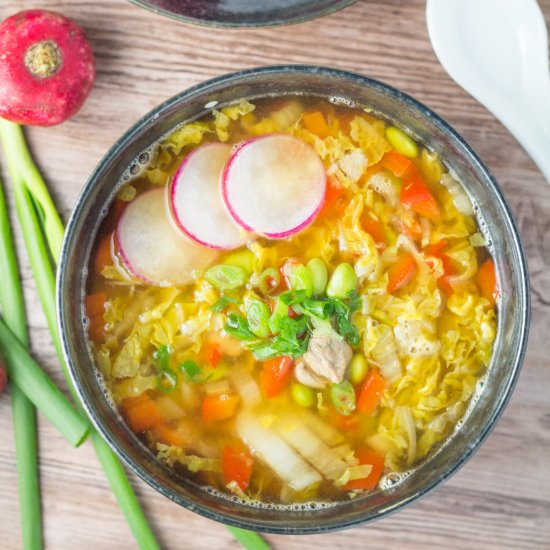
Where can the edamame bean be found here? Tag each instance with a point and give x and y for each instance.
(358, 369)
(342, 281)
(401, 142)
(226, 277)
(319, 273)
(302, 395)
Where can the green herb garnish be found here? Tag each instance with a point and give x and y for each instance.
(223, 302)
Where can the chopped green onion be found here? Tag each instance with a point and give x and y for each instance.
(280, 311)
(237, 326)
(319, 275)
(301, 278)
(167, 380)
(269, 280)
(342, 282)
(342, 396)
(225, 277)
(190, 368)
(257, 315)
(222, 302)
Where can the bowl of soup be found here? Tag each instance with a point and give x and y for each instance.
(293, 299)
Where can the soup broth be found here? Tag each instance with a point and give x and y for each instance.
(310, 356)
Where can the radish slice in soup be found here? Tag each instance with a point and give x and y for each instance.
(274, 185)
(197, 203)
(152, 248)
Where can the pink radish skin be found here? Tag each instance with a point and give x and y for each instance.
(196, 200)
(151, 247)
(274, 185)
(46, 68)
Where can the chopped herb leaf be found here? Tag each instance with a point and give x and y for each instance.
(222, 302)
(190, 368)
(237, 326)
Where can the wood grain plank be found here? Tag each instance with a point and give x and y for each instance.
(501, 498)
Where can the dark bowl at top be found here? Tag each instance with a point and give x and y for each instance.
(400, 110)
(243, 13)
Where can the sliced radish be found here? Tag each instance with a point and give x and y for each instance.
(274, 185)
(152, 248)
(197, 203)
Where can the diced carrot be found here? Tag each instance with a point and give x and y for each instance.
(436, 250)
(141, 412)
(316, 124)
(332, 195)
(170, 436)
(486, 280)
(275, 375)
(95, 304)
(345, 423)
(401, 272)
(375, 229)
(213, 354)
(219, 407)
(370, 393)
(96, 329)
(377, 461)
(396, 163)
(415, 193)
(292, 314)
(103, 256)
(237, 463)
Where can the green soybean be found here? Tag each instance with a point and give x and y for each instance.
(358, 369)
(226, 277)
(342, 281)
(319, 274)
(401, 142)
(257, 315)
(302, 395)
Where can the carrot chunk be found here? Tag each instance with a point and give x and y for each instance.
(416, 195)
(316, 124)
(370, 393)
(486, 280)
(141, 412)
(332, 195)
(366, 456)
(401, 272)
(237, 463)
(96, 329)
(170, 436)
(375, 230)
(95, 304)
(219, 407)
(275, 375)
(396, 163)
(103, 256)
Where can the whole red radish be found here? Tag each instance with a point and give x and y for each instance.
(46, 68)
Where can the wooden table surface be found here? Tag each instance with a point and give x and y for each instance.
(501, 498)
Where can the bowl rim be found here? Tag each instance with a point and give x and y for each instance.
(496, 191)
(337, 5)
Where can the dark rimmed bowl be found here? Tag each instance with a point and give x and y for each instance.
(401, 110)
(242, 13)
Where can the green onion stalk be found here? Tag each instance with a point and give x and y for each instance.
(24, 417)
(32, 196)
